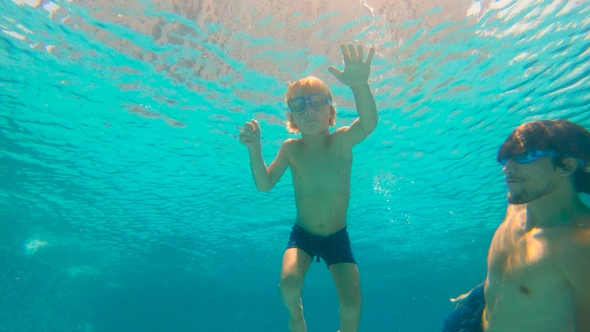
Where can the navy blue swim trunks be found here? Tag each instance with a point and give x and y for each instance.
(467, 317)
(334, 248)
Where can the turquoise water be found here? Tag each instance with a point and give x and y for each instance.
(126, 200)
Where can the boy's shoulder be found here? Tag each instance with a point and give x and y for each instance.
(290, 143)
(339, 135)
(340, 130)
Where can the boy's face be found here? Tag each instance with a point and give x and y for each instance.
(311, 120)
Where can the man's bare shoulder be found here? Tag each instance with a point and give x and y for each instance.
(576, 236)
(577, 232)
(572, 243)
(573, 250)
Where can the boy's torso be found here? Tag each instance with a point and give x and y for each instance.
(525, 287)
(321, 180)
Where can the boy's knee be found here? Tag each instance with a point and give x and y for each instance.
(290, 283)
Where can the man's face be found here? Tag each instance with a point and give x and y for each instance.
(531, 180)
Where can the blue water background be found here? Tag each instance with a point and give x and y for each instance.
(126, 201)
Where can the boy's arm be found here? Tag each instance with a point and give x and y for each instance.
(265, 178)
(356, 74)
(367, 120)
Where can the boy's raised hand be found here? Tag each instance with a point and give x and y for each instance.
(250, 134)
(356, 69)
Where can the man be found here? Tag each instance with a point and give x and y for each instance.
(539, 261)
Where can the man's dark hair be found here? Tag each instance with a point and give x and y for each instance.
(564, 137)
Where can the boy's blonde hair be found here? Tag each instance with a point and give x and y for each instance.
(313, 83)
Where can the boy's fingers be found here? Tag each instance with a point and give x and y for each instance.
(345, 53)
(370, 55)
(359, 52)
(352, 51)
(334, 71)
(255, 125)
(249, 134)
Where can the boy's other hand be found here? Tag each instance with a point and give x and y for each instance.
(250, 134)
(356, 69)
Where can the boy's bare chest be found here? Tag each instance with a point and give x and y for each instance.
(323, 172)
(321, 162)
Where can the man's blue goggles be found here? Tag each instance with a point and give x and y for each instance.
(529, 156)
(535, 154)
(317, 100)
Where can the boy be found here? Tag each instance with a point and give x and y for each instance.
(320, 164)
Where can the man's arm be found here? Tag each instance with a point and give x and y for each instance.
(266, 178)
(575, 263)
(463, 299)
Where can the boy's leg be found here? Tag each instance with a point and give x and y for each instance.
(295, 265)
(347, 280)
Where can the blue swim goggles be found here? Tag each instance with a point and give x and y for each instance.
(535, 154)
(317, 100)
(529, 156)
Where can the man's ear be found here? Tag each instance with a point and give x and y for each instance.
(570, 165)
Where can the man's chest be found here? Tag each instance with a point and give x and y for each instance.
(527, 261)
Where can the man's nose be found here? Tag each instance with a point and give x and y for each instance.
(510, 166)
